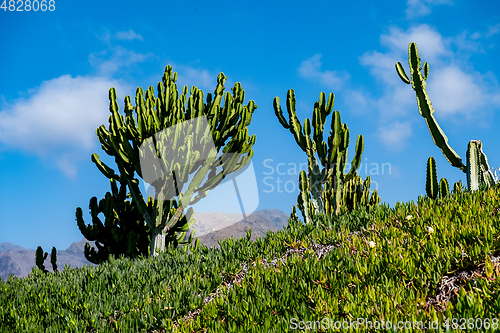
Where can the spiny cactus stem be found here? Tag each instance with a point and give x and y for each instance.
(175, 218)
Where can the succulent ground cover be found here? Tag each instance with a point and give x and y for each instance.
(430, 260)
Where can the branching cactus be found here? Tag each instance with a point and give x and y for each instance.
(176, 152)
(40, 257)
(477, 169)
(328, 191)
(432, 187)
(124, 231)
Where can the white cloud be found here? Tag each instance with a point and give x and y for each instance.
(128, 35)
(469, 43)
(395, 134)
(493, 30)
(429, 41)
(416, 8)
(59, 119)
(110, 61)
(201, 78)
(456, 90)
(311, 69)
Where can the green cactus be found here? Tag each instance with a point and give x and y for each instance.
(457, 187)
(356, 192)
(324, 192)
(432, 187)
(40, 257)
(431, 184)
(128, 140)
(444, 188)
(477, 169)
(124, 231)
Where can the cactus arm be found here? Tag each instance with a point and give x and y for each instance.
(444, 188)
(487, 175)
(402, 74)
(425, 107)
(316, 187)
(53, 259)
(356, 160)
(303, 201)
(431, 185)
(478, 170)
(107, 171)
(40, 257)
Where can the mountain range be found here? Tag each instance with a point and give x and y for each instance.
(210, 228)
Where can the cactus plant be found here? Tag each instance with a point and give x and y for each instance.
(432, 187)
(40, 257)
(444, 188)
(477, 169)
(124, 231)
(431, 184)
(125, 139)
(329, 191)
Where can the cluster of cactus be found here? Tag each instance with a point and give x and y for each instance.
(132, 141)
(434, 189)
(124, 231)
(329, 191)
(477, 170)
(40, 257)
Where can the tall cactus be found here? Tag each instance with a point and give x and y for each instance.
(431, 183)
(40, 257)
(124, 231)
(132, 141)
(432, 187)
(477, 169)
(326, 191)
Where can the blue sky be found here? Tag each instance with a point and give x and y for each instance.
(56, 68)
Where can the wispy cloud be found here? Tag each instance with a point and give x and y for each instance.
(493, 30)
(417, 8)
(128, 35)
(109, 61)
(395, 134)
(59, 119)
(311, 69)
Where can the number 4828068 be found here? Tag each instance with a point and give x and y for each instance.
(28, 5)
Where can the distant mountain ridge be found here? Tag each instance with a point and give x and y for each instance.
(19, 261)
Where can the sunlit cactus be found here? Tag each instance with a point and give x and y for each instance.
(125, 137)
(477, 169)
(326, 191)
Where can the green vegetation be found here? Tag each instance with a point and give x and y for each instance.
(353, 265)
(384, 265)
